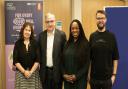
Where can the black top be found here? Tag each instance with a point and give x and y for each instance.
(103, 51)
(76, 59)
(25, 57)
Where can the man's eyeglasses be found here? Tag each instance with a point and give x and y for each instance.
(51, 21)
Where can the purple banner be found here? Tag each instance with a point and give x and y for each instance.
(16, 13)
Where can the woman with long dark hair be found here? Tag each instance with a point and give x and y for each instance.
(26, 59)
(76, 58)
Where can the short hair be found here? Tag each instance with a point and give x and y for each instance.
(49, 14)
(21, 37)
(101, 11)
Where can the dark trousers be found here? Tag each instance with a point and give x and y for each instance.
(50, 81)
(101, 84)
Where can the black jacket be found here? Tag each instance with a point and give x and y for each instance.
(58, 45)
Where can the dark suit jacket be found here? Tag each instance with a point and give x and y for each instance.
(58, 45)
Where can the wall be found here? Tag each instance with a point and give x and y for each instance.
(2, 40)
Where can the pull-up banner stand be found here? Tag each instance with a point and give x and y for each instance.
(117, 22)
(16, 13)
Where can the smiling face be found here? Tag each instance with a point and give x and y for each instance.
(101, 21)
(27, 32)
(75, 30)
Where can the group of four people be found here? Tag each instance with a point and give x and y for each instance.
(56, 60)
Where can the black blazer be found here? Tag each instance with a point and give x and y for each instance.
(58, 45)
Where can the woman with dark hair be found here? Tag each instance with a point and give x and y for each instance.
(26, 59)
(76, 58)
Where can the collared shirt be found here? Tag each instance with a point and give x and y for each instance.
(50, 41)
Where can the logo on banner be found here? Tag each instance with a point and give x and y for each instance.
(19, 21)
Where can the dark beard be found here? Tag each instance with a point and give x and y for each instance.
(100, 27)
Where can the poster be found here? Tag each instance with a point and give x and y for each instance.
(17, 12)
(59, 25)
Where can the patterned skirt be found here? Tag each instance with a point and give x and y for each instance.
(31, 83)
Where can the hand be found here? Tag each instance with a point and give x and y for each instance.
(27, 74)
(113, 79)
(68, 78)
(73, 77)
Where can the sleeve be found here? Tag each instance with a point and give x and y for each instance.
(64, 39)
(90, 40)
(15, 54)
(62, 56)
(62, 61)
(37, 52)
(90, 45)
(115, 54)
(84, 70)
